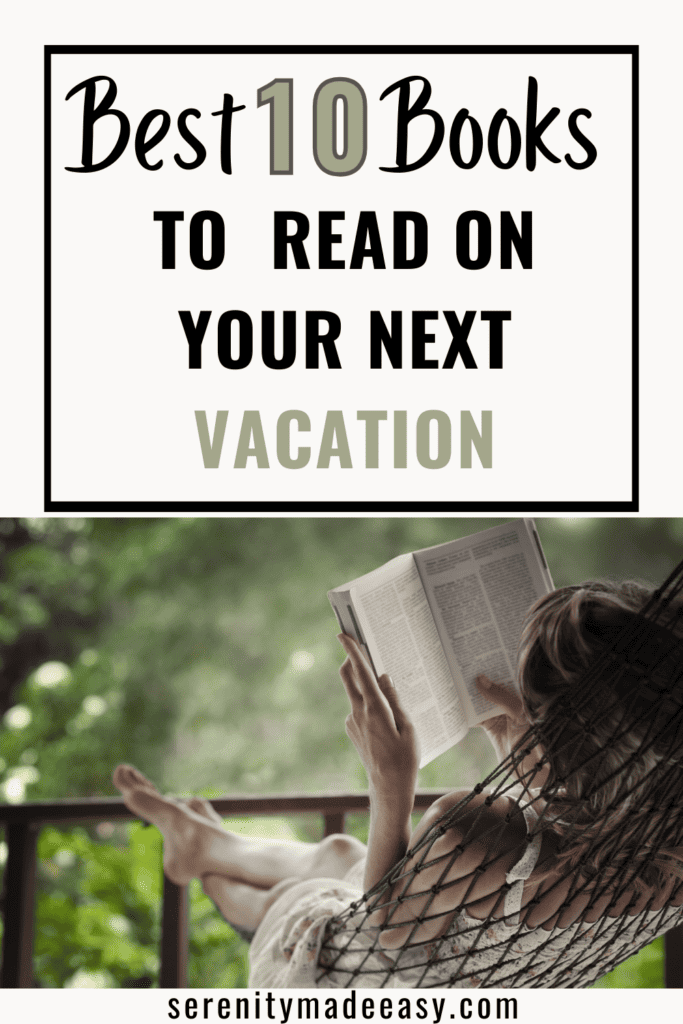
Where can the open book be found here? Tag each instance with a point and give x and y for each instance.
(437, 618)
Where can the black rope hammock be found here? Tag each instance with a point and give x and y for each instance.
(615, 863)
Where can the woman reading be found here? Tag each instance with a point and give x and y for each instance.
(565, 864)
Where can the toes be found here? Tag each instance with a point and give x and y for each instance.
(120, 776)
(195, 803)
(203, 807)
(138, 779)
(126, 777)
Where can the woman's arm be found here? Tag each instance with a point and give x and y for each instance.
(506, 729)
(385, 740)
(468, 862)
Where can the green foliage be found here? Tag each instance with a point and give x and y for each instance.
(98, 904)
(644, 970)
(203, 651)
(218, 958)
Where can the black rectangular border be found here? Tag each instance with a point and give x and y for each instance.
(348, 506)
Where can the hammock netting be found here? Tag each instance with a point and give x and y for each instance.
(634, 685)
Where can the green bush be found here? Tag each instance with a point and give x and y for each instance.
(203, 651)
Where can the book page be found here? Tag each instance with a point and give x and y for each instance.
(397, 624)
(342, 602)
(480, 589)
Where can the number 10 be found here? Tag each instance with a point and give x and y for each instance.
(332, 97)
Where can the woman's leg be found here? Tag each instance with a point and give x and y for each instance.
(242, 905)
(196, 844)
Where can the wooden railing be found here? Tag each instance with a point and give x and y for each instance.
(22, 823)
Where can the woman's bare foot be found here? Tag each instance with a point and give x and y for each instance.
(197, 845)
(190, 828)
(241, 905)
(203, 807)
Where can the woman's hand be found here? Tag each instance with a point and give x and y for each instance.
(507, 729)
(385, 739)
(379, 728)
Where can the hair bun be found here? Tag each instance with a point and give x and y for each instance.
(648, 657)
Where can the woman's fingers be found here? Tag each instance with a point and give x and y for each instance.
(378, 727)
(355, 655)
(387, 687)
(505, 697)
(392, 698)
(376, 695)
(362, 676)
(348, 678)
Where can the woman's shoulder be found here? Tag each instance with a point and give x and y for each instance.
(471, 816)
(459, 855)
(466, 831)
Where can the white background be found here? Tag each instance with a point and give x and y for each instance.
(123, 424)
(27, 27)
(534, 1006)
(653, 29)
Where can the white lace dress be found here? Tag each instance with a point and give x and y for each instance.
(312, 938)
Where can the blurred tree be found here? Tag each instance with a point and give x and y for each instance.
(46, 600)
(202, 650)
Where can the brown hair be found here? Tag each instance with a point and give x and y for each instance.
(614, 790)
